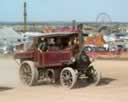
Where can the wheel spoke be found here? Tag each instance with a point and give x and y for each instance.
(64, 77)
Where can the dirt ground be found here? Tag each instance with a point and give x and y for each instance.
(113, 86)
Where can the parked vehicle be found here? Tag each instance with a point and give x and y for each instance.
(60, 59)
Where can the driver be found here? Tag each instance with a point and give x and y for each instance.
(82, 60)
(43, 45)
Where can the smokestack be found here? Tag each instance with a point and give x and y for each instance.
(25, 16)
(74, 25)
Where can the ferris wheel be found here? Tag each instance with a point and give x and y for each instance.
(103, 19)
(103, 22)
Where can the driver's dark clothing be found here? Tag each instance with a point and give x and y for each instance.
(43, 46)
(82, 60)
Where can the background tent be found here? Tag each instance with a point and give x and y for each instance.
(9, 34)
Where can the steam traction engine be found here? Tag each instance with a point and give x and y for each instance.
(56, 64)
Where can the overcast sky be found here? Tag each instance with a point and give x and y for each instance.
(63, 10)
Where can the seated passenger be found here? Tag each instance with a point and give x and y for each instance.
(76, 41)
(43, 45)
(52, 45)
(52, 42)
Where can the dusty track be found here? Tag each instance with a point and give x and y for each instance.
(113, 86)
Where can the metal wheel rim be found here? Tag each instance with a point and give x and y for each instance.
(26, 74)
(96, 77)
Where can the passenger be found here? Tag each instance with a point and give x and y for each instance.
(43, 45)
(52, 42)
(59, 43)
(76, 41)
(75, 49)
(70, 43)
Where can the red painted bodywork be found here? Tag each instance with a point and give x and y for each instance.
(45, 59)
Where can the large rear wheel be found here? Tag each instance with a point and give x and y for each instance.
(68, 77)
(28, 73)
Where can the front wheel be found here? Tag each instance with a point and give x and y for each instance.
(68, 77)
(94, 76)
